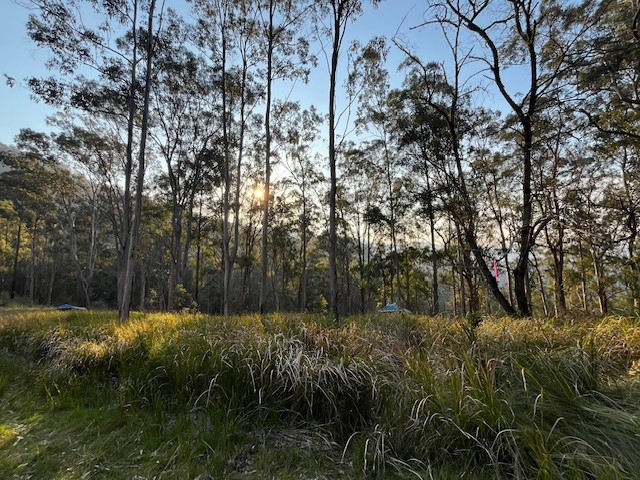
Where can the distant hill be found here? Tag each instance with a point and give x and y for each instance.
(5, 150)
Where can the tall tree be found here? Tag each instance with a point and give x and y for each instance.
(283, 18)
(29, 185)
(228, 32)
(373, 116)
(131, 239)
(340, 13)
(185, 131)
(430, 86)
(297, 131)
(537, 42)
(59, 26)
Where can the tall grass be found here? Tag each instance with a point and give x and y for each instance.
(411, 396)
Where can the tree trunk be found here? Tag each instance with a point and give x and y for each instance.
(175, 247)
(435, 309)
(520, 272)
(267, 164)
(463, 292)
(52, 278)
(32, 266)
(583, 278)
(557, 253)
(635, 273)
(135, 225)
(302, 302)
(333, 268)
(226, 264)
(543, 292)
(14, 275)
(143, 287)
(124, 247)
(454, 287)
(597, 259)
(233, 251)
(198, 242)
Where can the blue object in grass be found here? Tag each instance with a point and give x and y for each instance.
(66, 306)
(393, 307)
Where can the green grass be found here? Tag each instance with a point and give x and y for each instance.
(291, 396)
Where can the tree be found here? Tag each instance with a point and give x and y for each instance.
(228, 31)
(373, 116)
(421, 134)
(296, 134)
(536, 42)
(607, 66)
(282, 18)
(185, 132)
(75, 45)
(29, 185)
(432, 88)
(91, 205)
(340, 13)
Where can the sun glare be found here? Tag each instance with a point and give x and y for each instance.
(258, 192)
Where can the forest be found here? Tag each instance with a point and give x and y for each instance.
(178, 175)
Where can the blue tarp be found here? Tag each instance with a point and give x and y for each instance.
(66, 306)
(393, 307)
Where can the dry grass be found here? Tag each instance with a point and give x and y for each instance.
(392, 395)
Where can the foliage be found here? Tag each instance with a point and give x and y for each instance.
(391, 395)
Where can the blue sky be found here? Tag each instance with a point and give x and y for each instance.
(21, 58)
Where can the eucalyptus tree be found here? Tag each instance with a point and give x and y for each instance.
(531, 37)
(185, 132)
(496, 172)
(338, 13)
(595, 220)
(611, 227)
(92, 146)
(28, 185)
(563, 152)
(82, 210)
(432, 89)
(374, 117)
(227, 31)
(105, 68)
(609, 82)
(60, 209)
(361, 181)
(248, 258)
(10, 214)
(421, 135)
(281, 20)
(629, 204)
(11, 226)
(284, 250)
(296, 133)
(607, 67)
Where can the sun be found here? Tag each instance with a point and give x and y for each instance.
(258, 192)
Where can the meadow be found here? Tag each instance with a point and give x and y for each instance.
(189, 396)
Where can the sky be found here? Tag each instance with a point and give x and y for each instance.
(21, 58)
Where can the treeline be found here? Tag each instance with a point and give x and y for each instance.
(180, 176)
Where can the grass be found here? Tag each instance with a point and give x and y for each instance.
(291, 396)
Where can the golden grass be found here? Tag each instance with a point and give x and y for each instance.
(510, 398)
